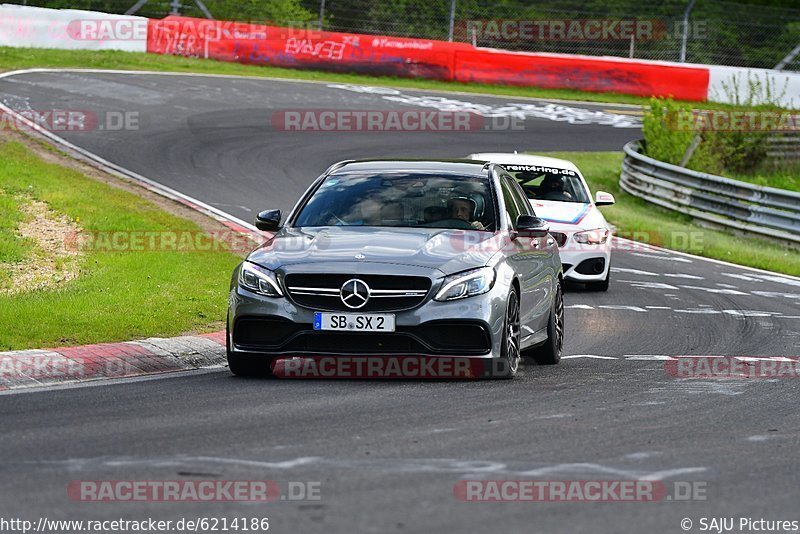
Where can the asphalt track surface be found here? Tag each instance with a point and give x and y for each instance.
(388, 454)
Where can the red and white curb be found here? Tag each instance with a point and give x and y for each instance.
(34, 368)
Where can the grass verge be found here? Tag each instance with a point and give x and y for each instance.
(120, 294)
(658, 226)
(786, 176)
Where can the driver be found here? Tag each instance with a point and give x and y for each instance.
(463, 208)
(552, 187)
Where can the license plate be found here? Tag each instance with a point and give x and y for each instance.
(354, 322)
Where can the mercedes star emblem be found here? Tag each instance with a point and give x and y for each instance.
(354, 293)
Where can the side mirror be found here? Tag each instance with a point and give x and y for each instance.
(529, 226)
(269, 220)
(603, 199)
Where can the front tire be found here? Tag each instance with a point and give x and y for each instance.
(550, 352)
(247, 366)
(508, 364)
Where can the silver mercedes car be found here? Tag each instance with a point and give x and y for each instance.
(401, 258)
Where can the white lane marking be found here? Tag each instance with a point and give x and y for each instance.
(626, 308)
(547, 111)
(658, 307)
(641, 455)
(749, 313)
(632, 271)
(745, 277)
(682, 275)
(662, 257)
(695, 386)
(593, 356)
(648, 357)
(714, 290)
(577, 469)
(758, 438)
(579, 307)
(699, 311)
(776, 294)
(647, 285)
(780, 279)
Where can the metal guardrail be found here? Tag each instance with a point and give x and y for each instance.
(783, 147)
(765, 211)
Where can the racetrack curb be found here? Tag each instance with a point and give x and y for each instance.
(151, 356)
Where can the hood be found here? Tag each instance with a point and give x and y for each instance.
(569, 215)
(449, 251)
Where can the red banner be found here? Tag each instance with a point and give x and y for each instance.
(582, 73)
(303, 48)
(419, 58)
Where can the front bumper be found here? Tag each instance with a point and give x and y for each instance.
(278, 327)
(586, 263)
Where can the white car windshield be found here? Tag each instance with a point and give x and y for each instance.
(549, 183)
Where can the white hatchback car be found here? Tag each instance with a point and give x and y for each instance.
(559, 194)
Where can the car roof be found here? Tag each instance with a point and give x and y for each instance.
(524, 159)
(466, 167)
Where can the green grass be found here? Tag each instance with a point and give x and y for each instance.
(637, 219)
(21, 58)
(12, 247)
(783, 177)
(119, 295)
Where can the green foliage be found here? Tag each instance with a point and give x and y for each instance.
(277, 12)
(667, 139)
(670, 129)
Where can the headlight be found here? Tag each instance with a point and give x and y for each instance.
(592, 237)
(466, 284)
(259, 280)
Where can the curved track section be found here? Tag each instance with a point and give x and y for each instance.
(388, 454)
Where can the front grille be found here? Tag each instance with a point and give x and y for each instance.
(387, 293)
(276, 335)
(560, 238)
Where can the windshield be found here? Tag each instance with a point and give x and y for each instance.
(401, 200)
(549, 183)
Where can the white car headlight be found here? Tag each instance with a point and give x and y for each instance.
(466, 284)
(592, 237)
(259, 280)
